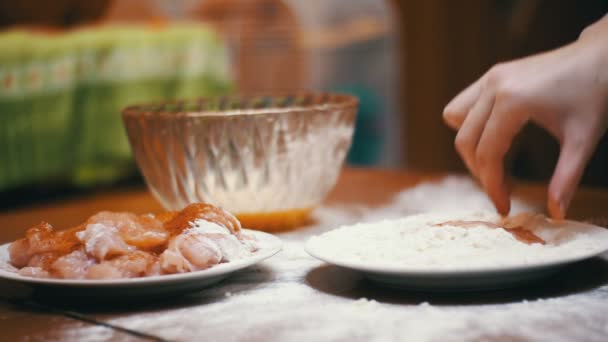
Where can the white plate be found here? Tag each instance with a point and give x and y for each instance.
(474, 279)
(144, 287)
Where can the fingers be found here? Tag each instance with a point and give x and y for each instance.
(456, 110)
(485, 134)
(471, 130)
(501, 128)
(574, 155)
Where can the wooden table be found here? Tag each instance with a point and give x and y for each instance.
(294, 297)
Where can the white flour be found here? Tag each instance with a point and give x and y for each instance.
(416, 242)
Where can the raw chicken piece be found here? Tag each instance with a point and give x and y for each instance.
(173, 262)
(103, 271)
(525, 235)
(19, 253)
(42, 239)
(189, 252)
(34, 272)
(72, 266)
(43, 260)
(203, 226)
(250, 242)
(519, 226)
(203, 211)
(527, 221)
(135, 264)
(468, 224)
(143, 231)
(102, 241)
(164, 217)
(230, 246)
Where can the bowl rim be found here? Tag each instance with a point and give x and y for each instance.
(340, 101)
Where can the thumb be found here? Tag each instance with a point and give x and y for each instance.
(574, 155)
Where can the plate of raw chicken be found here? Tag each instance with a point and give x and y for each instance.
(118, 254)
(459, 251)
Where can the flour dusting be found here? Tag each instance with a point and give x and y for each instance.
(424, 242)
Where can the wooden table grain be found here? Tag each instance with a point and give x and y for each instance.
(241, 308)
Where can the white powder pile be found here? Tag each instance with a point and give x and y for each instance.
(418, 242)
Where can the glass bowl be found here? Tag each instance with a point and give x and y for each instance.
(269, 160)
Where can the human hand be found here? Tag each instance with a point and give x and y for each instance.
(564, 91)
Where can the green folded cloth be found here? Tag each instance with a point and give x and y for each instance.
(61, 95)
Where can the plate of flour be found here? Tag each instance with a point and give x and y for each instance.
(459, 251)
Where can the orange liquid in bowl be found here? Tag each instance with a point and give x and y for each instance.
(275, 221)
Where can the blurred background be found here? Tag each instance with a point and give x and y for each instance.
(68, 67)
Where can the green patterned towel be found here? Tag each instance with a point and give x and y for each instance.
(61, 95)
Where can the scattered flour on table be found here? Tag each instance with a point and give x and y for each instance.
(295, 312)
(418, 242)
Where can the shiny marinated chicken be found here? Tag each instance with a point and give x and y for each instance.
(124, 245)
(520, 226)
